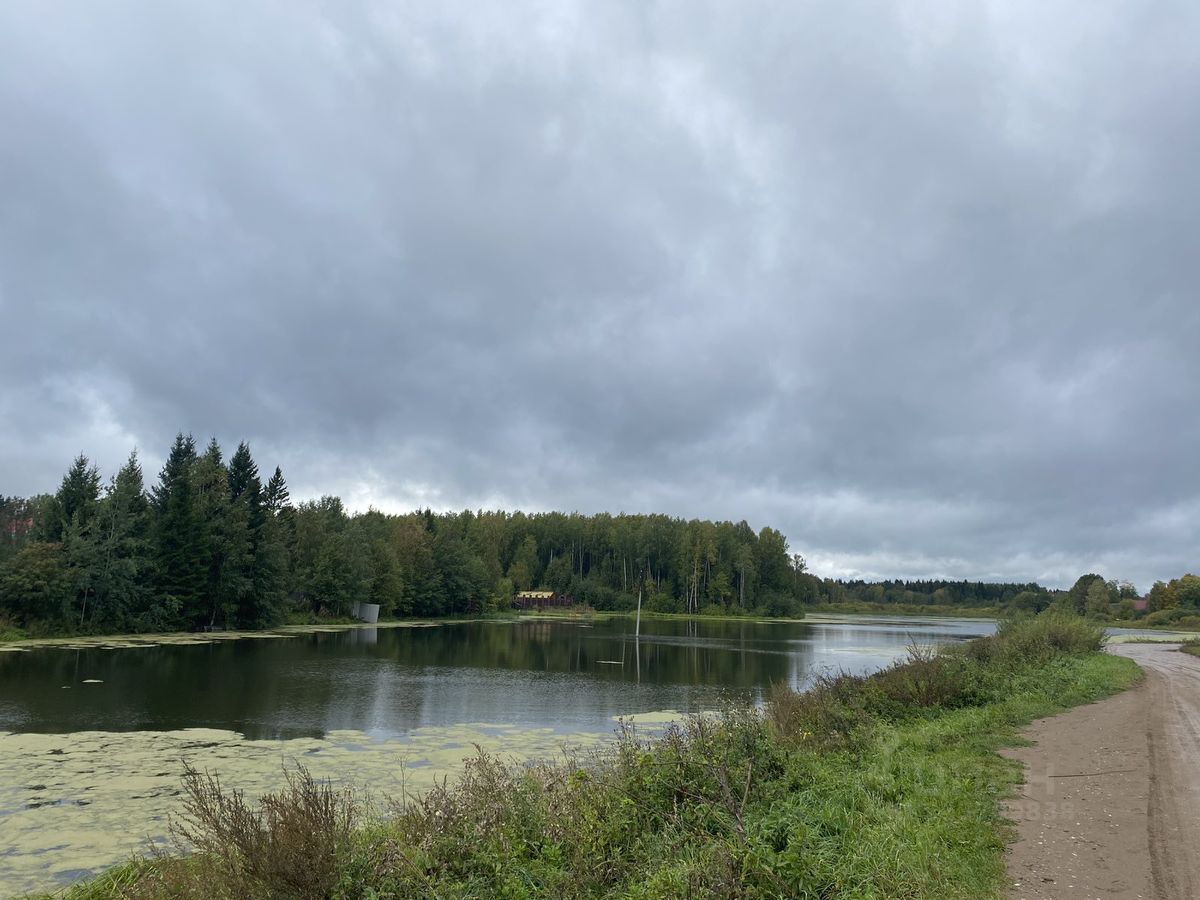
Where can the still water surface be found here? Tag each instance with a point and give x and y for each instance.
(567, 675)
(92, 741)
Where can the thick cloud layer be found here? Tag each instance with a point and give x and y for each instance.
(914, 283)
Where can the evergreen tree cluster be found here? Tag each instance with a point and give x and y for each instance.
(209, 545)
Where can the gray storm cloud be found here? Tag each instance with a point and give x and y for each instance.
(915, 285)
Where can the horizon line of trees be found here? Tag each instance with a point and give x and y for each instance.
(1091, 595)
(209, 544)
(1015, 596)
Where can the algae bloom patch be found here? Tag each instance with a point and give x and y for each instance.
(72, 805)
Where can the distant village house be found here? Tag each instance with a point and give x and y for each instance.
(541, 599)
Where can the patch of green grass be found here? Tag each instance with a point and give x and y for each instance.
(867, 787)
(10, 633)
(1188, 623)
(117, 882)
(308, 617)
(1192, 647)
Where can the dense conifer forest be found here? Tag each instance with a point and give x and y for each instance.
(212, 543)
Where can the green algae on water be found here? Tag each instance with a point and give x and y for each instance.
(79, 803)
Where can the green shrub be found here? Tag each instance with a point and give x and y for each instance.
(1177, 617)
(833, 713)
(928, 679)
(293, 844)
(10, 632)
(716, 609)
(1025, 641)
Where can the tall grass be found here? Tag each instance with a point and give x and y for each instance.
(293, 843)
(10, 632)
(868, 787)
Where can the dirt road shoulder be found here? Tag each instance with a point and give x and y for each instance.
(1110, 804)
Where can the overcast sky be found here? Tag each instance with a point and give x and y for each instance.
(914, 282)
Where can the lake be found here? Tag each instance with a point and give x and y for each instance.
(93, 735)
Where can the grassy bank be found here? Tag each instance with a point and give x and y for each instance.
(1192, 647)
(868, 787)
(1164, 620)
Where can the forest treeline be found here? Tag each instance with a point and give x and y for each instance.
(1102, 601)
(1172, 602)
(213, 543)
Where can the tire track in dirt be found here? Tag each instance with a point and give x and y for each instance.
(1173, 745)
(1111, 803)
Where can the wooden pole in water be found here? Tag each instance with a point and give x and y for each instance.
(638, 628)
(637, 639)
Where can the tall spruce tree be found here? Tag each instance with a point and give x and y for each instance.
(81, 545)
(180, 553)
(122, 584)
(260, 572)
(76, 506)
(225, 543)
(277, 549)
(243, 475)
(276, 498)
(77, 496)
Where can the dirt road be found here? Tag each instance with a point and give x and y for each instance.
(1111, 803)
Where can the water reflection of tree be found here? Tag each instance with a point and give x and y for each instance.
(392, 680)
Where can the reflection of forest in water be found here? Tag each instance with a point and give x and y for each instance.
(535, 672)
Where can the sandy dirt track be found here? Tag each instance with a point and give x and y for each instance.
(1111, 803)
